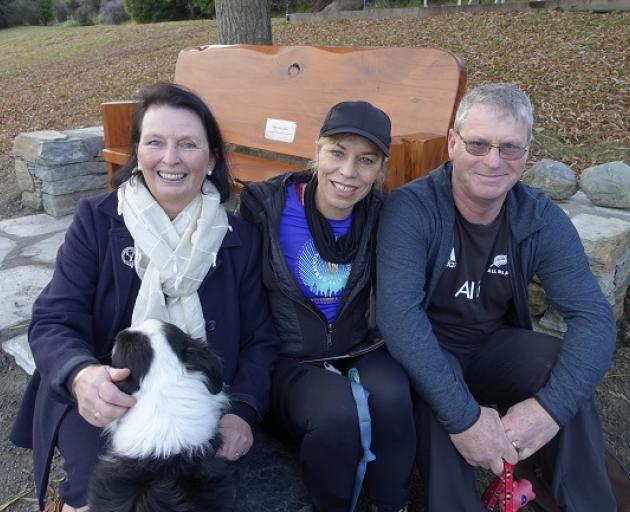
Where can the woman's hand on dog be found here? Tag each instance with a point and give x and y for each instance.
(236, 437)
(99, 399)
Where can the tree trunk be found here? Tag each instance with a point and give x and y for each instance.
(243, 21)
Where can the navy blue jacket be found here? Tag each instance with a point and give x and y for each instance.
(91, 297)
(414, 241)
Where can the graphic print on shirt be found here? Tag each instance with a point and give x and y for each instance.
(325, 280)
(474, 293)
(499, 265)
(321, 282)
(470, 289)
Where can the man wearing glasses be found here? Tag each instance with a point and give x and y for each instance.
(456, 251)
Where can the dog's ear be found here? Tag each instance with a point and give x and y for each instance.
(132, 349)
(201, 358)
(196, 355)
(130, 385)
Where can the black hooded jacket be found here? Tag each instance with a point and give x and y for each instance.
(304, 331)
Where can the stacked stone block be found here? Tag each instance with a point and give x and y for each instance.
(605, 234)
(54, 169)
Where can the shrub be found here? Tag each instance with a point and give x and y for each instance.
(112, 12)
(23, 12)
(5, 13)
(205, 6)
(45, 11)
(87, 11)
(84, 15)
(71, 22)
(148, 11)
(76, 12)
(60, 10)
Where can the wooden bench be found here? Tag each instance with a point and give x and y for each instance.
(270, 102)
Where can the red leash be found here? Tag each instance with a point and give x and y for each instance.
(507, 493)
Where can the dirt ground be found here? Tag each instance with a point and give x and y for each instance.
(613, 395)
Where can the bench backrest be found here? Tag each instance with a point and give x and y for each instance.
(248, 88)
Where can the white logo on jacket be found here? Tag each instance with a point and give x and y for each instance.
(451, 263)
(128, 255)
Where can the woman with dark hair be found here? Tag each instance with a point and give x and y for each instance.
(177, 97)
(160, 246)
(319, 235)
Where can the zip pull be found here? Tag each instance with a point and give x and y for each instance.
(329, 336)
(331, 368)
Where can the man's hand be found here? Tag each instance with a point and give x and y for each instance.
(99, 399)
(529, 427)
(485, 443)
(236, 437)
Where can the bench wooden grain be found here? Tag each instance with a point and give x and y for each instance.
(270, 102)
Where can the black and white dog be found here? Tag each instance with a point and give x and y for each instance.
(161, 453)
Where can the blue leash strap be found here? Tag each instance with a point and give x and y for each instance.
(361, 395)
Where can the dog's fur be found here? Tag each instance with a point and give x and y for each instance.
(161, 454)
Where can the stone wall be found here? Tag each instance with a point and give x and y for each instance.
(55, 169)
(605, 234)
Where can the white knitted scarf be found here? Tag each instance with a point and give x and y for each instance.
(172, 257)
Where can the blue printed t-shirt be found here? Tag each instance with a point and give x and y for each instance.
(320, 281)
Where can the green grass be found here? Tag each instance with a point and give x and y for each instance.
(574, 66)
(35, 47)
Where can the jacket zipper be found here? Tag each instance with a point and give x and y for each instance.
(329, 333)
(303, 302)
(299, 298)
(518, 284)
(360, 282)
(353, 293)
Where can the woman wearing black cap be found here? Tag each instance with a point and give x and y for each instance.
(319, 231)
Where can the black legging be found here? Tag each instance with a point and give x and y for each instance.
(509, 367)
(316, 406)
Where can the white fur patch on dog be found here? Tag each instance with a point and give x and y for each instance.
(175, 412)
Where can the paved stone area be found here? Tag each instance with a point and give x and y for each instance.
(270, 477)
(28, 246)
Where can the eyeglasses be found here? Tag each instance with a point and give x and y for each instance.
(506, 151)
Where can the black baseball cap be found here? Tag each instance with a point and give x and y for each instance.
(360, 118)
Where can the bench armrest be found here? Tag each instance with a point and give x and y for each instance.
(414, 155)
(117, 117)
